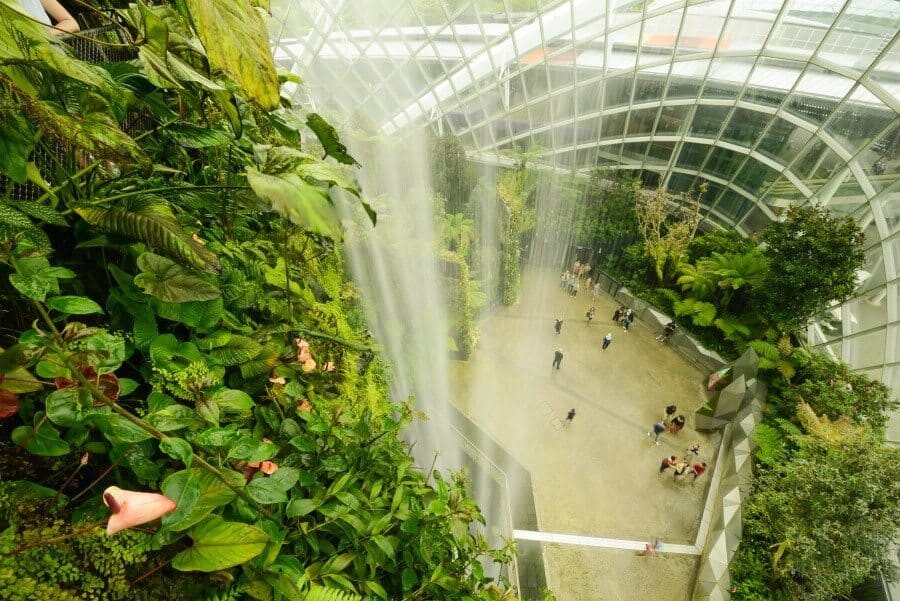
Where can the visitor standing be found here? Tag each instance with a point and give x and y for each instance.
(575, 286)
(658, 428)
(564, 279)
(558, 325)
(667, 332)
(607, 340)
(617, 315)
(680, 469)
(570, 416)
(590, 315)
(629, 317)
(694, 449)
(557, 357)
(595, 291)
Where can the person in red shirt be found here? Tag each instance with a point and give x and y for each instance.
(697, 470)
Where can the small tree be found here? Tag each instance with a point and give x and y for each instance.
(668, 228)
(813, 259)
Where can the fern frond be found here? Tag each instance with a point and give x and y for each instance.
(327, 593)
(771, 444)
(154, 226)
(765, 350)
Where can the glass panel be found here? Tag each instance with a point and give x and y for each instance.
(613, 126)
(733, 205)
(867, 312)
(641, 122)
(770, 81)
(783, 140)
(854, 125)
(634, 151)
(882, 159)
(648, 88)
(745, 126)
(671, 120)
(692, 155)
(724, 162)
(744, 34)
(682, 88)
(889, 201)
(708, 120)
(661, 150)
(755, 220)
(680, 182)
(866, 350)
(754, 176)
(617, 91)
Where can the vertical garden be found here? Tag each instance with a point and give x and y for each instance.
(190, 406)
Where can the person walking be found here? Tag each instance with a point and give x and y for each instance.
(590, 315)
(607, 340)
(570, 416)
(658, 428)
(697, 470)
(595, 291)
(557, 357)
(667, 462)
(558, 325)
(629, 317)
(676, 424)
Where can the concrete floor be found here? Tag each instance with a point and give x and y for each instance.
(599, 476)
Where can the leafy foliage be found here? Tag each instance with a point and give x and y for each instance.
(231, 371)
(792, 293)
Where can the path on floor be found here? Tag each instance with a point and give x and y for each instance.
(597, 477)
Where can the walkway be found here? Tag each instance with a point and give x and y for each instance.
(597, 478)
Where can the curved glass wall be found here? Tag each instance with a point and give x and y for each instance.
(771, 103)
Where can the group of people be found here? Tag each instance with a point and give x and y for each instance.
(623, 317)
(690, 464)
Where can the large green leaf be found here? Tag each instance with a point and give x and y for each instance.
(184, 488)
(152, 222)
(237, 42)
(213, 494)
(266, 491)
(238, 349)
(329, 138)
(169, 282)
(233, 401)
(193, 136)
(297, 200)
(171, 418)
(43, 441)
(202, 315)
(219, 544)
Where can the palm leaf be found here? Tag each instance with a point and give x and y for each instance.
(765, 349)
(155, 226)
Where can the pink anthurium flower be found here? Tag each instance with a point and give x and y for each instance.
(303, 353)
(130, 508)
(329, 366)
(278, 380)
(268, 467)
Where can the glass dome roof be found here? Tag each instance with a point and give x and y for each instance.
(770, 103)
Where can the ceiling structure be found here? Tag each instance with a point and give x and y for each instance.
(770, 103)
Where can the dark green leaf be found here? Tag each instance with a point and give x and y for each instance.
(170, 282)
(300, 507)
(213, 494)
(192, 136)
(178, 448)
(45, 441)
(285, 478)
(266, 491)
(171, 418)
(329, 138)
(184, 488)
